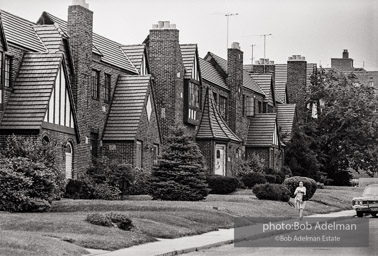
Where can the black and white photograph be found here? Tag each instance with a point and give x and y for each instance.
(194, 128)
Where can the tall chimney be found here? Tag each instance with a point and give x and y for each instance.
(235, 82)
(168, 71)
(345, 54)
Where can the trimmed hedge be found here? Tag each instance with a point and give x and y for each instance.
(253, 178)
(221, 184)
(293, 182)
(122, 221)
(276, 192)
(270, 178)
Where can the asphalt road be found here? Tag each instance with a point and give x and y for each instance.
(230, 250)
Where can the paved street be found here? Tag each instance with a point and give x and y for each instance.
(230, 250)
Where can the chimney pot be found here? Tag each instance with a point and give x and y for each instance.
(271, 62)
(81, 3)
(257, 62)
(160, 24)
(173, 26)
(235, 45)
(155, 26)
(166, 24)
(345, 54)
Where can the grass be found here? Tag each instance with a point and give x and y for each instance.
(66, 229)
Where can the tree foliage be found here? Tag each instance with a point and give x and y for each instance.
(180, 173)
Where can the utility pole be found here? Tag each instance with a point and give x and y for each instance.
(253, 45)
(265, 35)
(228, 17)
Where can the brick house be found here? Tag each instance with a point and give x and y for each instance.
(88, 95)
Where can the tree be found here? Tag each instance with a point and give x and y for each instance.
(345, 129)
(180, 173)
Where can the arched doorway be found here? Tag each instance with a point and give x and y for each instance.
(69, 157)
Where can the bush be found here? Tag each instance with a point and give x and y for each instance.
(73, 189)
(276, 192)
(121, 220)
(286, 171)
(99, 219)
(268, 170)
(25, 186)
(319, 185)
(278, 179)
(253, 178)
(293, 182)
(180, 174)
(270, 178)
(221, 184)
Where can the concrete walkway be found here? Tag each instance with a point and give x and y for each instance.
(170, 247)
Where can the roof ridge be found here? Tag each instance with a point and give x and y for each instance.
(1, 10)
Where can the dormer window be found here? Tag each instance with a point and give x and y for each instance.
(7, 71)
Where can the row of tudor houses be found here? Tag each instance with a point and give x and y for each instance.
(92, 97)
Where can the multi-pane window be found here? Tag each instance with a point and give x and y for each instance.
(215, 97)
(250, 106)
(7, 71)
(94, 144)
(1, 68)
(138, 162)
(243, 104)
(194, 95)
(95, 84)
(108, 80)
(260, 107)
(59, 111)
(155, 154)
(223, 106)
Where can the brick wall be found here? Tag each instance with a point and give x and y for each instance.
(167, 69)
(263, 153)
(262, 69)
(118, 152)
(296, 85)
(207, 149)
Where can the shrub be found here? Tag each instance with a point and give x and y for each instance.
(105, 191)
(254, 163)
(268, 170)
(180, 174)
(73, 189)
(278, 179)
(285, 171)
(25, 186)
(270, 178)
(253, 178)
(99, 219)
(221, 184)
(121, 220)
(293, 182)
(320, 185)
(276, 192)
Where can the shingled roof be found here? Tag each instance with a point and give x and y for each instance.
(280, 82)
(286, 119)
(126, 108)
(251, 84)
(29, 101)
(212, 126)
(50, 37)
(188, 53)
(221, 62)
(111, 51)
(262, 128)
(135, 54)
(21, 32)
(210, 74)
(265, 83)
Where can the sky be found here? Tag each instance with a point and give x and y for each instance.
(316, 29)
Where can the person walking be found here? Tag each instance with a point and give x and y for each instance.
(299, 194)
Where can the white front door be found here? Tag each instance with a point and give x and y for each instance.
(220, 160)
(69, 161)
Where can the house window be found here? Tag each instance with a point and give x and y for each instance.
(250, 106)
(95, 84)
(1, 68)
(215, 97)
(7, 71)
(260, 107)
(223, 107)
(243, 105)
(94, 144)
(108, 79)
(139, 152)
(155, 154)
(194, 95)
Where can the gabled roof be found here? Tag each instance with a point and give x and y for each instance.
(251, 84)
(189, 54)
(135, 54)
(34, 84)
(280, 82)
(265, 83)
(126, 108)
(261, 130)
(221, 62)
(50, 37)
(2, 35)
(21, 32)
(210, 74)
(286, 119)
(110, 50)
(212, 126)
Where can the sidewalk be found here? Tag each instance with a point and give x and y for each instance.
(170, 247)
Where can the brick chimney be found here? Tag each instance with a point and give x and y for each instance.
(80, 29)
(296, 82)
(234, 81)
(345, 54)
(168, 71)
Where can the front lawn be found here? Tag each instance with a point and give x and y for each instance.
(65, 224)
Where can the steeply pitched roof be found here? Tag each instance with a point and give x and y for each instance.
(111, 51)
(50, 37)
(280, 82)
(212, 126)
(21, 32)
(261, 130)
(251, 84)
(188, 53)
(285, 119)
(28, 103)
(221, 62)
(135, 54)
(126, 108)
(209, 73)
(265, 83)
